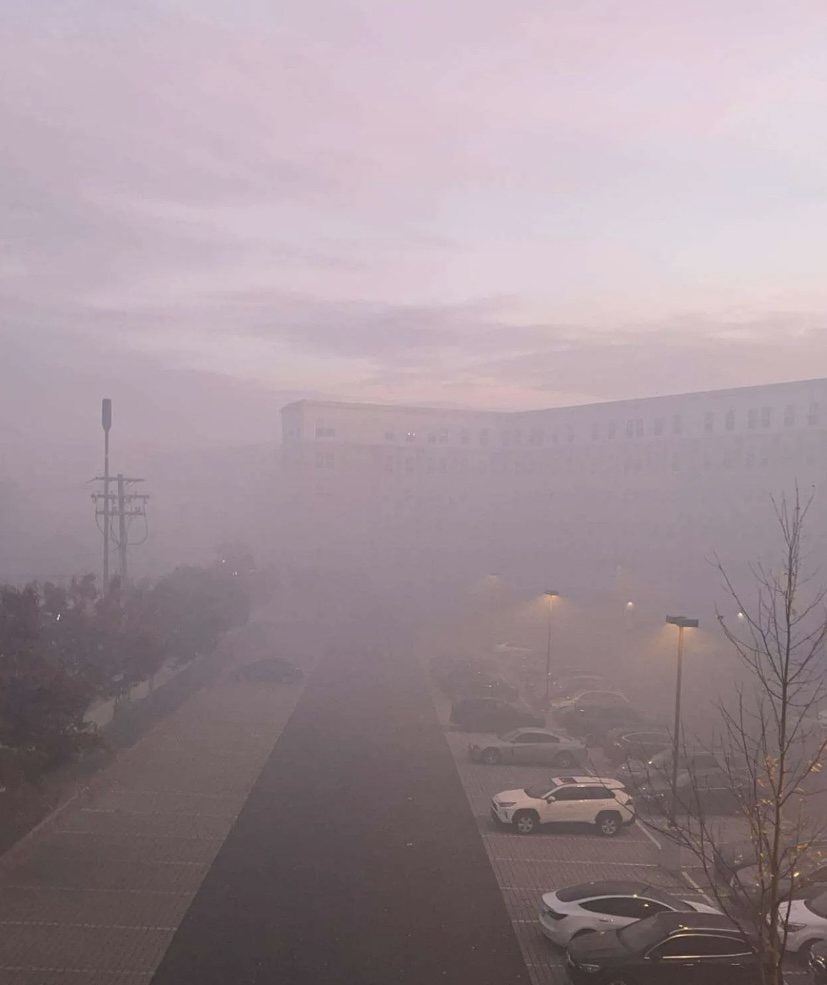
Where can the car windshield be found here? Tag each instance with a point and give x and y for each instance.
(537, 792)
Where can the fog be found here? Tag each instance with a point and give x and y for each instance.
(465, 325)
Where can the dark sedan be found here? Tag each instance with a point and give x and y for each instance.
(667, 949)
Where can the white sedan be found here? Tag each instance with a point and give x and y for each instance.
(806, 923)
(608, 905)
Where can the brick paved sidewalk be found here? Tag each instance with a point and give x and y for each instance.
(95, 896)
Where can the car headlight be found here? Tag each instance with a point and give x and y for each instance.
(590, 968)
(793, 928)
(506, 803)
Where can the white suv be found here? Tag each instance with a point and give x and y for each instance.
(598, 800)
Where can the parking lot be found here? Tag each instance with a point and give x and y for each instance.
(528, 866)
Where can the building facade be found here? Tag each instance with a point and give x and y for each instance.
(653, 488)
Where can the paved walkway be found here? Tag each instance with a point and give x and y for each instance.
(96, 896)
(355, 860)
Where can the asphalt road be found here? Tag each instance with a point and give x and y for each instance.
(356, 859)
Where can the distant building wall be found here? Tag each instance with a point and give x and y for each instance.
(654, 486)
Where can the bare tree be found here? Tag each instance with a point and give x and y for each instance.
(769, 751)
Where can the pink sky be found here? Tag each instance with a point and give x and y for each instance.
(483, 202)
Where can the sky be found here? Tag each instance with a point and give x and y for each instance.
(211, 208)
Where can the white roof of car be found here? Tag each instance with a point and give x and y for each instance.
(604, 781)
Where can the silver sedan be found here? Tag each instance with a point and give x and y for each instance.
(532, 746)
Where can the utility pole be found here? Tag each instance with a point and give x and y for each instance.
(123, 505)
(131, 506)
(122, 535)
(106, 420)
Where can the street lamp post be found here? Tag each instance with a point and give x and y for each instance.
(551, 596)
(682, 622)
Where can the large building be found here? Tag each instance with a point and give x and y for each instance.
(641, 493)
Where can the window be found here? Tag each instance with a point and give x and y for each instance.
(729, 421)
(630, 429)
(812, 415)
(535, 737)
(410, 436)
(535, 436)
(443, 436)
(789, 416)
(658, 426)
(432, 438)
(709, 422)
(325, 460)
(409, 465)
(518, 437)
(766, 417)
(571, 793)
(390, 436)
(595, 432)
(677, 424)
(639, 428)
(464, 437)
(631, 907)
(612, 429)
(752, 418)
(484, 436)
(325, 432)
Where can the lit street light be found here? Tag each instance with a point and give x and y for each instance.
(551, 596)
(682, 622)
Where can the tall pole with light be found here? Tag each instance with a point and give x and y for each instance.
(551, 596)
(682, 622)
(106, 421)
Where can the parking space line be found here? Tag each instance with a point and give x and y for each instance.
(697, 888)
(648, 834)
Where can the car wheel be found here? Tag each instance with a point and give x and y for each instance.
(491, 756)
(526, 822)
(805, 949)
(608, 824)
(565, 761)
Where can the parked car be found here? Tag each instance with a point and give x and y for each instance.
(492, 715)
(657, 769)
(273, 670)
(667, 949)
(569, 686)
(595, 721)
(464, 677)
(589, 697)
(483, 686)
(818, 964)
(512, 649)
(806, 921)
(608, 905)
(624, 746)
(809, 879)
(530, 746)
(715, 791)
(595, 800)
